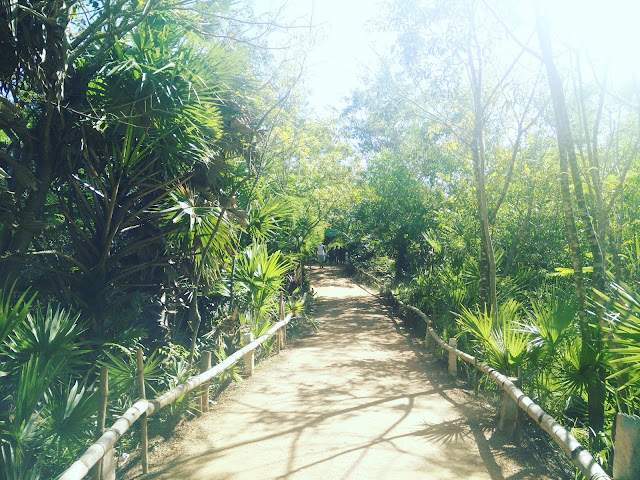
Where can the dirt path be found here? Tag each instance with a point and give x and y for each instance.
(354, 401)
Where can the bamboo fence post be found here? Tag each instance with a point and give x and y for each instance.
(428, 339)
(510, 416)
(102, 414)
(283, 335)
(626, 447)
(248, 358)
(205, 364)
(453, 358)
(144, 447)
(475, 376)
(109, 465)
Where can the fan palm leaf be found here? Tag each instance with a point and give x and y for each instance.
(260, 276)
(502, 343)
(69, 418)
(48, 333)
(624, 328)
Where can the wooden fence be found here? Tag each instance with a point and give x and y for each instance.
(514, 399)
(102, 450)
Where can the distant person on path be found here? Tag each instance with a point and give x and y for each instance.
(322, 255)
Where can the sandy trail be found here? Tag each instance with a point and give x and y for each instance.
(354, 401)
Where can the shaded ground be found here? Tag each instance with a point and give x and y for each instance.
(357, 400)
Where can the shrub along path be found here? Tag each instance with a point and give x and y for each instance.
(356, 400)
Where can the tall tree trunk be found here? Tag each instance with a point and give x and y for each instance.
(569, 166)
(603, 227)
(478, 157)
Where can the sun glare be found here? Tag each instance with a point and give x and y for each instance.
(606, 30)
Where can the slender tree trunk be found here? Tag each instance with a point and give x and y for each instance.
(569, 166)
(194, 321)
(478, 157)
(603, 230)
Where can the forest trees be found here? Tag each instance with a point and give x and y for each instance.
(130, 140)
(130, 105)
(453, 77)
(569, 169)
(156, 173)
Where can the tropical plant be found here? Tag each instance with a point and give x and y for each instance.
(40, 406)
(623, 314)
(123, 372)
(49, 334)
(12, 313)
(206, 240)
(260, 276)
(501, 343)
(175, 370)
(551, 322)
(69, 415)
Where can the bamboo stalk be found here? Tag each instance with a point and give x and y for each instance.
(95, 452)
(283, 332)
(279, 334)
(248, 358)
(184, 388)
(475, 377)
(281, 307)
(205, 364)
(453, 358)
(102, 413)
(144, 446)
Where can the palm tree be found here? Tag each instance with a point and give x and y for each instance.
(161, 117)
(206, 240)
(45, 101)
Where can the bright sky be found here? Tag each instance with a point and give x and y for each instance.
(346, 45)
(608, 29)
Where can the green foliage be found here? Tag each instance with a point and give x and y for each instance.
(124, 158)
(48, 334)
(551, 323)
(12, 314)
(69, 416)
(123, 372)
(502, 344)
(14, 469)
(44, 414)
(206, 230)
(260, 276)
(301, 316)
(624, 328)
(175, 371)
(266, 220)
(631, 255)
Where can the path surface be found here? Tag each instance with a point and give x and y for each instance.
(354, 401)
